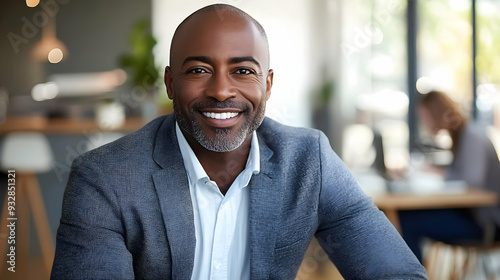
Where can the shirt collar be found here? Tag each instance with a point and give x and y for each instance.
(193, 166)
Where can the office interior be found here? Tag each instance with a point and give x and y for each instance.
(84, 73)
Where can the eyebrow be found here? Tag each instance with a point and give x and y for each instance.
(204, 59)
(233, 60)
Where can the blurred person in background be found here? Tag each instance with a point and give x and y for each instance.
(474, 161)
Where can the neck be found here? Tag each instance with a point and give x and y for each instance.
(223, 168)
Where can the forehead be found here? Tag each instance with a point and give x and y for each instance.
(219, 36)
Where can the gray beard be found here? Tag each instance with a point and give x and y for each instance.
(223, 141)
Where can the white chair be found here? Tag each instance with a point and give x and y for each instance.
(27, 153)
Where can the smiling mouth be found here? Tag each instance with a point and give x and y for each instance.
(220, 116)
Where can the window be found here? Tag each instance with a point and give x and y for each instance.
(375, 62)
(488, 61)
(444, 49)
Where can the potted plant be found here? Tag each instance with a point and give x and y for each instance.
(140, 63)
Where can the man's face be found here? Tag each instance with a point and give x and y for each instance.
(219, 80)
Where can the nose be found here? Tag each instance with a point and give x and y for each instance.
(220, 87)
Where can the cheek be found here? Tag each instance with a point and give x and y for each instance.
(253, 92)
(428, 123)
(187, 93)
(426, 118)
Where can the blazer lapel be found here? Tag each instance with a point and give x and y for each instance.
(172, 187)
(266, 196)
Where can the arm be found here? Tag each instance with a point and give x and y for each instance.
(357, 237)
(90, 238)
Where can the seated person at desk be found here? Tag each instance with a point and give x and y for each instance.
(216, 190)
(474, 161)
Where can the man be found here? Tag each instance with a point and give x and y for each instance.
(218, 191)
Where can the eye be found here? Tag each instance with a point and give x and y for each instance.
(244, 71)
(197, 71)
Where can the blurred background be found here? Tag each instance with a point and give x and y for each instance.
(81, 73)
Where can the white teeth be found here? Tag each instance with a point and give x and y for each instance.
(220, 116)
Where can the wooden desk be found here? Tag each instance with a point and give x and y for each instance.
(63, 126)
(392, 203)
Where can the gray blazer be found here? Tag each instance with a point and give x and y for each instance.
(127, 211)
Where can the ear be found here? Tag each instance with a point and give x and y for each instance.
(269, 83)
(168, 82)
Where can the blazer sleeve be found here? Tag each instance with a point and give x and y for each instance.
(357, 237)
(90, 239)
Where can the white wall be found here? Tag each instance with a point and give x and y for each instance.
(287, 24)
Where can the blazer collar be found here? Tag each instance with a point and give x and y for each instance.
(172, 186)
(266, 196)
(165, 143)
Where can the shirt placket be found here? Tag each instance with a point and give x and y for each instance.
(222, 237)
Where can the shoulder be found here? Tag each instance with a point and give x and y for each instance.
(474, 134)
(476, 129)
(132, 147)
(274, 133)
(294, 144)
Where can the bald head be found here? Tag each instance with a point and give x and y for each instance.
(219, 78)
(221, 15)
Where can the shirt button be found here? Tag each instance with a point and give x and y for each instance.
(208, 183)
(217, 267)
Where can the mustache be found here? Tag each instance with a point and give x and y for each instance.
(220, 104)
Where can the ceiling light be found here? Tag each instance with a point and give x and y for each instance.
(49, 48)
(32, 3)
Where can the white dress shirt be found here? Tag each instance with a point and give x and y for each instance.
(220, 222)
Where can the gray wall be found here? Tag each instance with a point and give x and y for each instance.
(94, 31)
